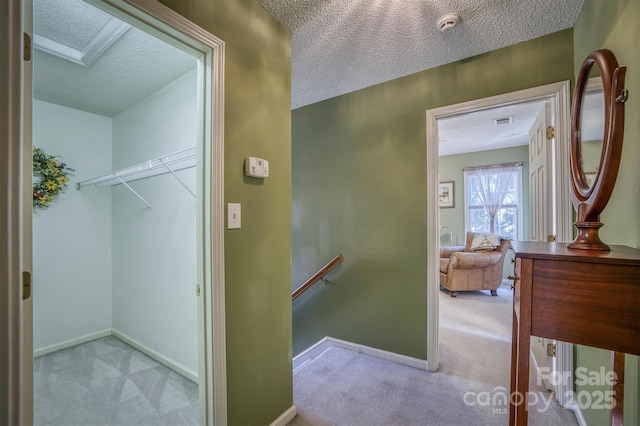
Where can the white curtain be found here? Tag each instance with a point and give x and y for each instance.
(492, 184)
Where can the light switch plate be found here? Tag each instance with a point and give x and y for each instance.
(233, 215)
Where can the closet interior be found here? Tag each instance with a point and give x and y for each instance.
(115, 254)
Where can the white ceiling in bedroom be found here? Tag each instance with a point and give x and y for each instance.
(478, 131)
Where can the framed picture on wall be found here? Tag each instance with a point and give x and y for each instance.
(446, 194)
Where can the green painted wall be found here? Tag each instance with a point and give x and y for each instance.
(450, 168)
(613, 24)
(359, 188)
(258, 256)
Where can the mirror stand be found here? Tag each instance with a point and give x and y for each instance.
(588, 238)
(590, 198)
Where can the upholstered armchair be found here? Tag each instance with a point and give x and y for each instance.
(464, 268)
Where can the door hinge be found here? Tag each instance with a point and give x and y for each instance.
(551, 132)
(26, 285)
(27, 47)
(197, 289)
(551, 350)
(551, 238)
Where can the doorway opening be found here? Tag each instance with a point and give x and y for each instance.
(484, 161)
(557, 97)
(163, 152)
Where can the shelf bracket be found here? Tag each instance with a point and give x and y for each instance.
(134, 191)
(180, 180)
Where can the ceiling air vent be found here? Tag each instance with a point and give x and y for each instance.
(503, 120)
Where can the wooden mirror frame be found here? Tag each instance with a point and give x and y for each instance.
(590, 200)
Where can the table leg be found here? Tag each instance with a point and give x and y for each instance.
(514, 361)
(520, 398)
(617, 365)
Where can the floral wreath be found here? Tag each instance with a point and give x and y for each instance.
(53, 177)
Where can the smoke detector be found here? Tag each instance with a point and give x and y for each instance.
(448, 21)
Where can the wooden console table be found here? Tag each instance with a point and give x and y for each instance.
(579, 296)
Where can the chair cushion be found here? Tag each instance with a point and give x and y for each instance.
(484, 242)
(444, 265)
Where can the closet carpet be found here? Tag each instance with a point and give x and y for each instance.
(107, 382)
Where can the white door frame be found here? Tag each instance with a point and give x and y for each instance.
(164, 23)
(558, 94)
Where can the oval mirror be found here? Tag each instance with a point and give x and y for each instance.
(594, 161)
(592, 128)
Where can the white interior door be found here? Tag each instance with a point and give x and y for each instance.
(540, 202)
(26, 400)
(541, 205)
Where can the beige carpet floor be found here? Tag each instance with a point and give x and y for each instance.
(345, 388)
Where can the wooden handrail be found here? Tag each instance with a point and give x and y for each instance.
(317, 276)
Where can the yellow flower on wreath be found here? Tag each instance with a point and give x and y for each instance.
(62, 180)
(46, 199)
(51, 185)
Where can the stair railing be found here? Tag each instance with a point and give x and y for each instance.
(317, 276)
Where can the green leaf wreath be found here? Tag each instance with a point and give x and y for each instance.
(53, 174)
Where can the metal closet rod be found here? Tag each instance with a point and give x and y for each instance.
(154, 167)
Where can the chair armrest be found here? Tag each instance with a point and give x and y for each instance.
(465, 260)
(446, 251)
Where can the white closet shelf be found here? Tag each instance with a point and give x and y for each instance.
(170, 163)
(180, 160)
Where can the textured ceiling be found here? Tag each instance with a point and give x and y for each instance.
(339, 46)
(133, 68)
(51, 20)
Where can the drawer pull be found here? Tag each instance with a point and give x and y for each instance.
(514, 279)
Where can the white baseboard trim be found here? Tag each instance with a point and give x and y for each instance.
(72, 342)
(167, 362)
(285, 417)
(318, 348)
(162, 359)
(573, 406)
(310, 353)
